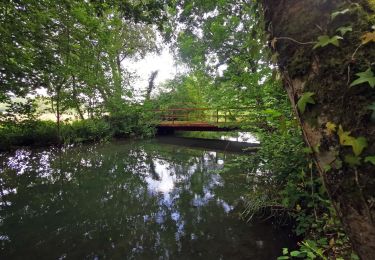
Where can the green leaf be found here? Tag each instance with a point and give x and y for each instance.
(353, 256)
(285, 251)
(338, 164)
(324, 40)
(335, 14)
(366, 76)
(272, 112)
(352, 160)
(316, 148)
(344, 137)
(331, 127)
(311, 244)
(327, 168)
(311, 255)
(344, 29)
(358, 145)
(283, 257)
(370, 159)
(307, 150)
(295, 253)
(305, 99)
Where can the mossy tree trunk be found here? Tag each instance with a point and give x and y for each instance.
(327, 72)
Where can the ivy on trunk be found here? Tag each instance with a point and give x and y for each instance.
(338, 111)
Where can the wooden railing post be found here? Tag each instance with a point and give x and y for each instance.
(202, 115)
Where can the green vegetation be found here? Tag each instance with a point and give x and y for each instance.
(29, 131)
(305, 75)
(72, 51)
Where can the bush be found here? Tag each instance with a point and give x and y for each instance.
(134, 120)
(27, 133)
(86, 130)
(285, 181)
(45, 133)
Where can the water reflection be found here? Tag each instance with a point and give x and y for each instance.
(126, 200)
(245, 137)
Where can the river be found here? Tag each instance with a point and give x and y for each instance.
(129, 200)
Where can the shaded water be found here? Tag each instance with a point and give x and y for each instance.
(128, 200)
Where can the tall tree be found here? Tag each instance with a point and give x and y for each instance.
(151, 84)
(74, 50)
(325, 52)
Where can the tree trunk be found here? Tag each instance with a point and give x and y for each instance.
(327, 71)
(116, 97)
(151, 84)
(119, 69)
(76, 101)
(58, 114)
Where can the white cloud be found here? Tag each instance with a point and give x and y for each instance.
(164, 63)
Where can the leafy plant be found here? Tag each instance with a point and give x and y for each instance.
(325, 40)
(352, 160)
(308, 250)
(366, 76)
(305, 99)
(337, 13)
(331, 127)
(368, 37)
(370, 159)
(344, 29)
(357, 144)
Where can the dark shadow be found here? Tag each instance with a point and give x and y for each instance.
(213, 144)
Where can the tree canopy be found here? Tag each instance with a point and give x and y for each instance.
(304, 69)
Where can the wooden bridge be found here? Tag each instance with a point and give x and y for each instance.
(200, 119)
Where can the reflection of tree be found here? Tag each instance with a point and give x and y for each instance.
(151, 164)
(95, 201)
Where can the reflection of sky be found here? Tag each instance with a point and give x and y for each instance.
(166, 187)
(165, 181)
(242, 137)
(20, 161)
(163, 186)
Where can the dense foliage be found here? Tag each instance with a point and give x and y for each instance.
(134, 122)
(230, 66)
(74, 51)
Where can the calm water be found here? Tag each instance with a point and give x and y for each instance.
(128, 200)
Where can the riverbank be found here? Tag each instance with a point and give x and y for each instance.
(38, 133)
(46, 133)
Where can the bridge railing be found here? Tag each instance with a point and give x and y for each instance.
(208, 115)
